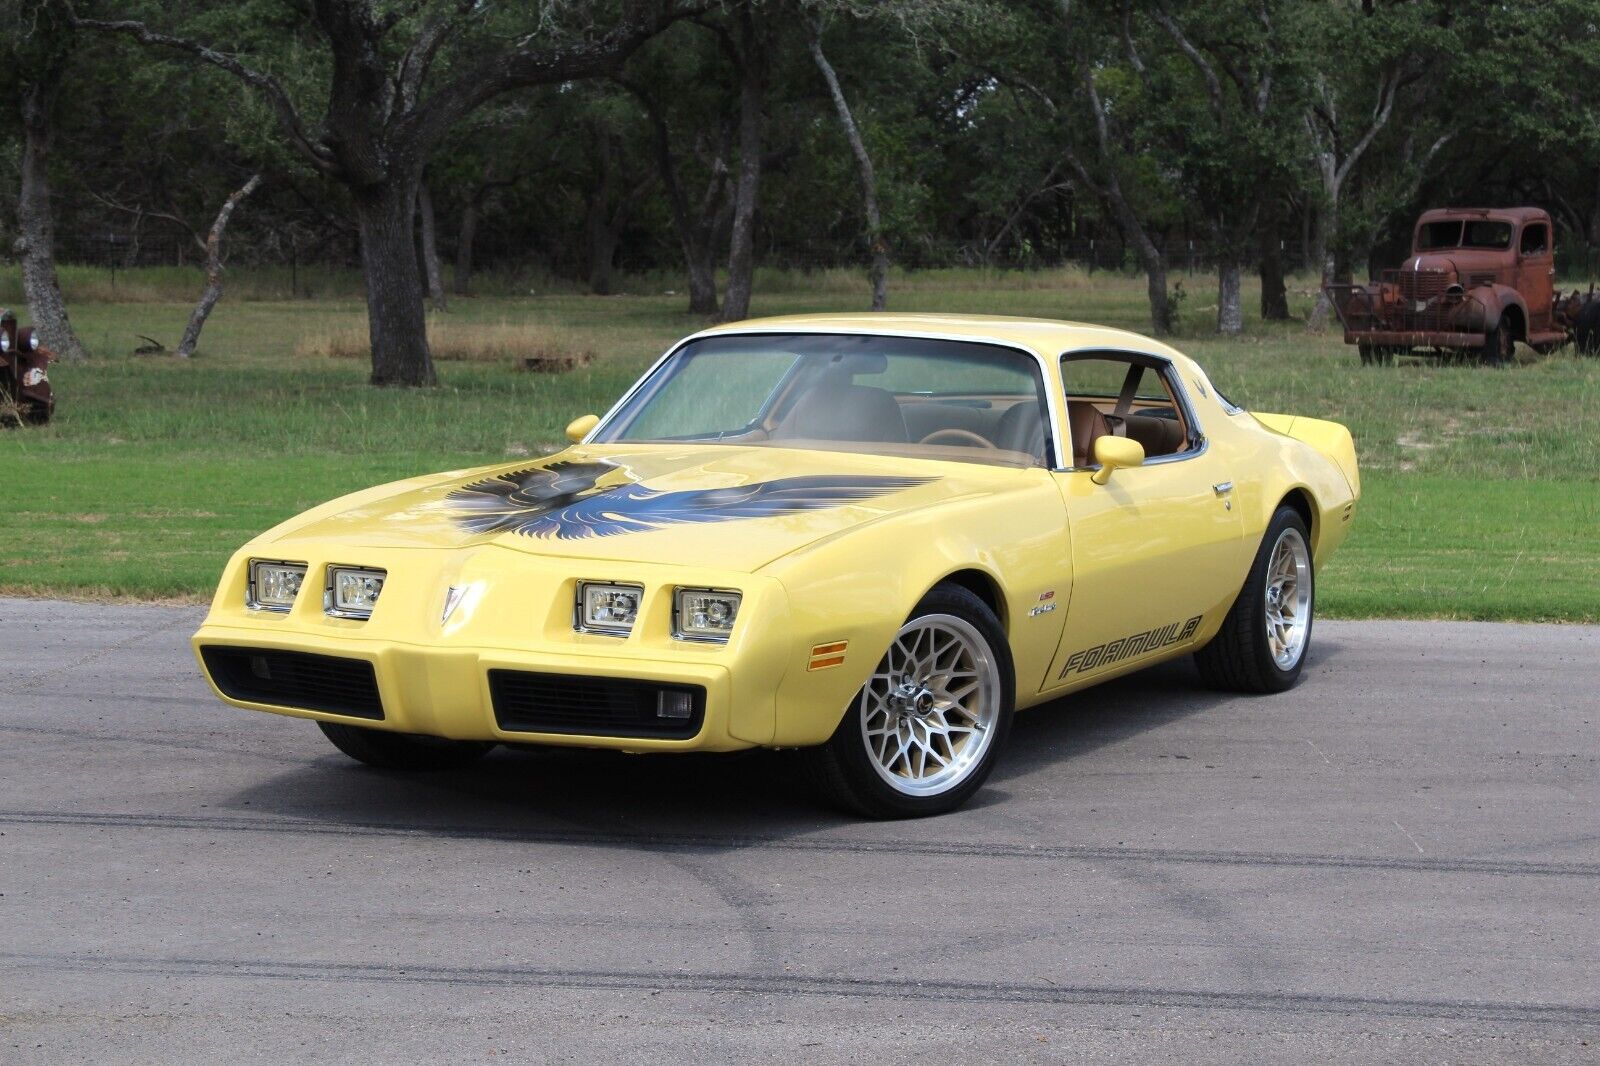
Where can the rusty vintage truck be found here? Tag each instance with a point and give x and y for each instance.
(1478, 280)
(26, 396)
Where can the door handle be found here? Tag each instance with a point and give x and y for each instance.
(1222, 488)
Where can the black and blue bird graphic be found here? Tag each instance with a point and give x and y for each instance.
(564, 501)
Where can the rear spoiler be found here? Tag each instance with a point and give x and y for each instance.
(1329, 438)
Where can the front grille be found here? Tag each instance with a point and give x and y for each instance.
(1422, 284)
(294, 679)
(526, 702)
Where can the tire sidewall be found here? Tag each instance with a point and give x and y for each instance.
(849, 747)
(1278, 678)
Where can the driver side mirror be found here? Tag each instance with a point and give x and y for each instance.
(579, 427)
(1113, 453)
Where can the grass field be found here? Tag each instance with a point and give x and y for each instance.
(1482, 488)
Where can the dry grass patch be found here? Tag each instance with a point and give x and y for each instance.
(457, 342)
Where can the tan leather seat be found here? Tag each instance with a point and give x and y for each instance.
(1087, 425)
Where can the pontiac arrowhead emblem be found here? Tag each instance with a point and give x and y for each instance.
(452, 600)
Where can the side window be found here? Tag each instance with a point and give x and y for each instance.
(1535, 239)
(1123, 395)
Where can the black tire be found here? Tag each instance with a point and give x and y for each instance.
(1240, 658)
(1385, 355)
(1368, 353)
(1586, 331)
(844, 769)
(1500, 345)
(403, 751)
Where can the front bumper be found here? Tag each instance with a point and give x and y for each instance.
(1414, 338)
(448, 619)
(446, 691)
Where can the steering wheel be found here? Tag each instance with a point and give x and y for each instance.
(963, 436)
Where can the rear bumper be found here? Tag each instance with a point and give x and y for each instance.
(446, 692)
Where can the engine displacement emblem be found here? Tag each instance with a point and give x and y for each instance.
(1081, 662)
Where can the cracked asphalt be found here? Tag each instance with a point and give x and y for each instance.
(1399, 861)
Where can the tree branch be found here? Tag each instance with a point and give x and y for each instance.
(266, 84)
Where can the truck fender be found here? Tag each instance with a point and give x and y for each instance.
(1497, 299)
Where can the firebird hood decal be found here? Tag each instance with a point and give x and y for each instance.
(565, 500)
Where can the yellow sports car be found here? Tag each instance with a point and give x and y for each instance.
(869, 537)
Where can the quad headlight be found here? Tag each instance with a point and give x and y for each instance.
(704, 614)
(273, 585)
(604, 607)
(352, 591)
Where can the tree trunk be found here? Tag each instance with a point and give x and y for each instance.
(603, 239)
(35, 245)
(395, 319)
(1155, 275)
(1323, 234)
(1230, 302)
(213, 290)
(430, 250)
(464, 238)
(879, 273)
(702, 265)
(742, 241)
(1274, 292)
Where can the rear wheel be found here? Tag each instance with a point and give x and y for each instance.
(403, 751)
(1499, 346)
(925, 730)
(1262, 644)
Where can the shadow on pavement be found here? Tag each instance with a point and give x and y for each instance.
(765, 794)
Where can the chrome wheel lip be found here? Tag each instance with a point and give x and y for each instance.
(928, 715)
(1287, 599)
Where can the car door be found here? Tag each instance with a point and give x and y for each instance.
(1158, 546)
(1536, 271)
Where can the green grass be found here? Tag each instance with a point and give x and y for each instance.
(1482, 489)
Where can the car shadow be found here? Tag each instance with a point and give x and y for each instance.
(699, 800)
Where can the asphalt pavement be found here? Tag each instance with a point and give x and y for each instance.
(1398, 861)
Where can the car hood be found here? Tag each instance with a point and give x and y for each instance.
(733, 507)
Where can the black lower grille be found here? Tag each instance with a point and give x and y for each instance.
(527, 702)
(295, 679)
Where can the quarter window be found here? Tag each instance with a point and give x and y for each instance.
(1123, 395)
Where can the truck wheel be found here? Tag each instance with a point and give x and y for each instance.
(1586, 333)
(1499, 346)
(403, 751)
(927, 727)
(1262, 644)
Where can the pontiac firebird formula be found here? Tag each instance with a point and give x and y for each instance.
(872, 538)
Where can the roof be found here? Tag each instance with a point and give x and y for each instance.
(1046, 336)
(1511, 214)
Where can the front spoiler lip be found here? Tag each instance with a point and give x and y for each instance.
(444, 692)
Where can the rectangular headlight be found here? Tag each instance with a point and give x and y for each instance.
(273, 586)
(352, 591)
(704, 614)
(604, 607)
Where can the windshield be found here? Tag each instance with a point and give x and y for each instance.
(1457, 233)
(912, 396)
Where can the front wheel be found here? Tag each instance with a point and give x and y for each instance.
(925, 730)
(1262, 644)
(403, 751)
(1499, 347)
